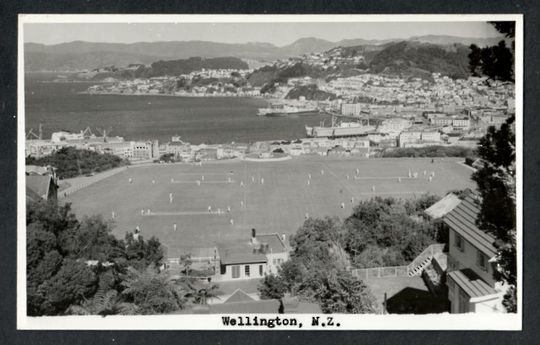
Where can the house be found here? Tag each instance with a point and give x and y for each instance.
(471, 286)
(41, 183)
(262, 255)
(443, 206)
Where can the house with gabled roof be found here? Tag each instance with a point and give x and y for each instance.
(471, 262)
(41, 183)
(261, 255)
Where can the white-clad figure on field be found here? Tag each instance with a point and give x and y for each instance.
(373, 188)
(142, 212)
(253, 179)
(229, 180)
(307, 215)
(229, 209)
(309, 176)
(347, 177)
(433, 173)
(232, 221)
(242, 203)
(425, 172)
(415, 174)
(218, 211)
(430, 178)
(198, 182)
(410, 174)
(342, 205)
(174, 226)
(153, 181)
(209, 209)
(322, 172)
(357, 171)
(308, 182)
(352, 200)
(113, 215)
(202, 178)
(172, 180)
(130, 180)
(148, 211)
(241, 183)
(399, 179)
(170, 198)
(262, 180)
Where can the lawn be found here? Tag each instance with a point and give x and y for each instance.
(278, 205)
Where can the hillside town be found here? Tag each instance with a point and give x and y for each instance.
(377, 192)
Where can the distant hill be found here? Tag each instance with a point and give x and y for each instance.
(79, 55)
(422, 59)
(176, 67)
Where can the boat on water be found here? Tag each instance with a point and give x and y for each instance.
(286, 109)
(342, 129)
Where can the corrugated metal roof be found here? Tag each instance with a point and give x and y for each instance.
(471, 283)
(462, 219)
(443, 206)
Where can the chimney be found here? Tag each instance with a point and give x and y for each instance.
(253, 236)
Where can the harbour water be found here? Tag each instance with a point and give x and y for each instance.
(61, 106)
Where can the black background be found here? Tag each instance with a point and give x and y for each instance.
(9, 11)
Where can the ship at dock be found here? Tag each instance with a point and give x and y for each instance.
(339, 129)
(286, 110)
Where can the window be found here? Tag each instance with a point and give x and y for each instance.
(236, 271)
(246, 270)
(481, 260)
(459, 243)
(261, 270)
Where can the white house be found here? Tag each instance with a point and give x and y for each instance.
(471, 286)
(261, 255)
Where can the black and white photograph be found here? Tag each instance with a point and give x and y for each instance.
(258, 172)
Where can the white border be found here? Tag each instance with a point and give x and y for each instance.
(213, 322)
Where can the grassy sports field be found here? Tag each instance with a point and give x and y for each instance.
(275, 196)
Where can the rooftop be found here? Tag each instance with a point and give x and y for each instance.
(443, 206)
(248, 252)
(462, 219)
(39, 184)
(471, 283)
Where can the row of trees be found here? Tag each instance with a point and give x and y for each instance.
(71, 162)
(429, 151)
(317, 272)
(380, 232)
(80, 267)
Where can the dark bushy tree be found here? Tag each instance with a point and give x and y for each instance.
(272, 287)
(69, 261)
(495, 62)
(317, 271)
(496, 182)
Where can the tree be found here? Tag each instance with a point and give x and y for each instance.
(104, 302)
(272, 287)
(317, 271)
(73, 283)
(496, 182)
(153, 292)
(495, 62)
(68, 261)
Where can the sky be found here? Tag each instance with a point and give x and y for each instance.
(279, 34)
